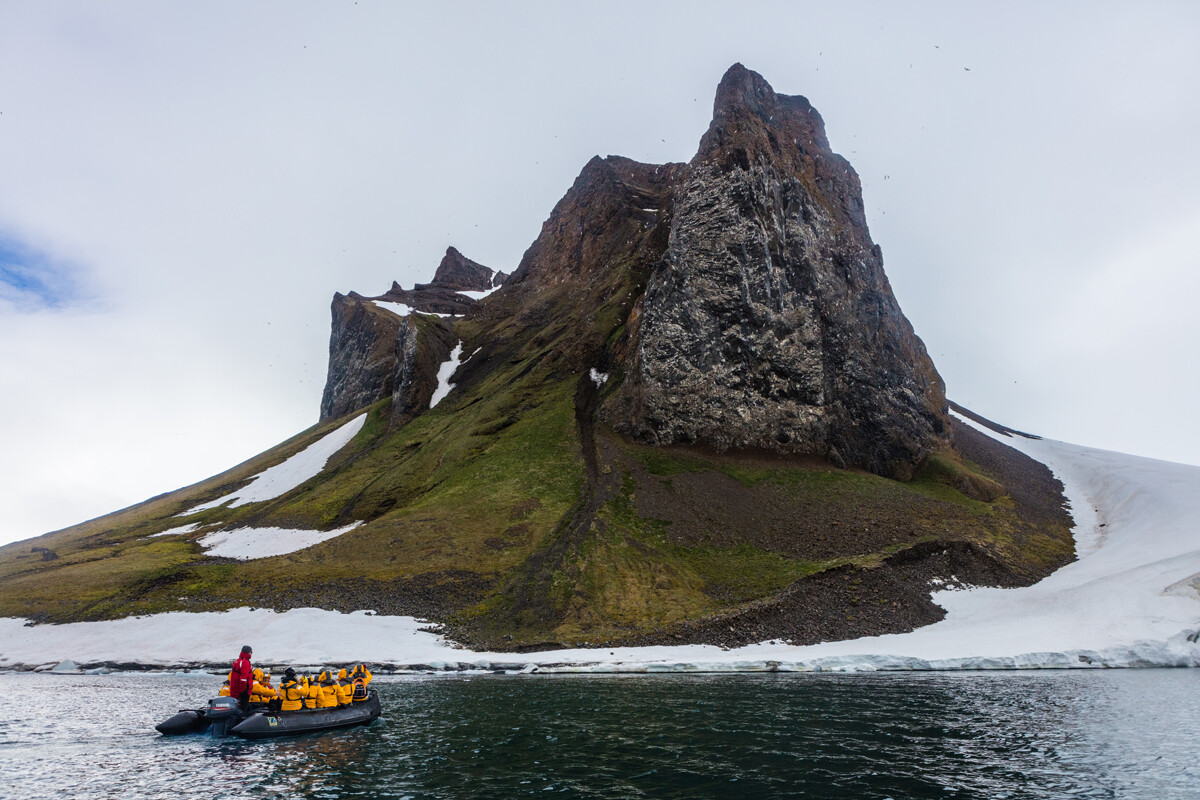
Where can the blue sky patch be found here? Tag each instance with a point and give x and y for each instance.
(29, 278)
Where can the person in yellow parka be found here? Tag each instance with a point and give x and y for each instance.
(360, 678)
(359, 671)
(327, 690)
(224, 688)
(293, 693)
(262, 691)
(345, 688)
(310, 691)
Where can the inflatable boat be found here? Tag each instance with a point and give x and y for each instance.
(222, 717)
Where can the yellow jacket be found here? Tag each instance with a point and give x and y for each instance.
(327, 691)
(262, 692)
(295, 695)
(358, 681)
(345, 688)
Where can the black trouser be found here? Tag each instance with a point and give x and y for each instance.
(244, 701)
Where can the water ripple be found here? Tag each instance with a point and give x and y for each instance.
(1128, 734)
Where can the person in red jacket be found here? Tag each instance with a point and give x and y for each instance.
(241, 678)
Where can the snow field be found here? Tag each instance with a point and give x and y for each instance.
(474, 295)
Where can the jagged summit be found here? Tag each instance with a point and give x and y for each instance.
(459, 273)
(747, 111)
(768, 321)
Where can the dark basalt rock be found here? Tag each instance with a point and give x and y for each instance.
(375, 352)
(362, 359)
(459, 273)
(769, 323)
(456, 273)
(421, 348)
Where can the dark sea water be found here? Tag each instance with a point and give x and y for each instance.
(1101, 734)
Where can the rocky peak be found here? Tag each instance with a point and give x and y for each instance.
(748, 110)
(443, 295)
(599, 221)
(769, 322)
(459, 273)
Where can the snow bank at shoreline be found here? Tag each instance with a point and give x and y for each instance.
(1129, 601)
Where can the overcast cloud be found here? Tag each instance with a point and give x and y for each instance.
(183, 187)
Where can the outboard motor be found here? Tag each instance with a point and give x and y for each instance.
(222, 713)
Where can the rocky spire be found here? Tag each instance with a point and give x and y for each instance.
(769, 322)
(459, 273)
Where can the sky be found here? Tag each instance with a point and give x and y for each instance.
(183, 187)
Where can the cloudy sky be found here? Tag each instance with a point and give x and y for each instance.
(183, 187)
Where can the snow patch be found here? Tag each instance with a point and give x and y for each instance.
(445, 372)
(598, 377)
(476, 295)
(245, 544)
(282, 478)
(177, 531)
(403, 309)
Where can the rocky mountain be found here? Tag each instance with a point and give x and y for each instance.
(374, 351)
(768, 321)
(693, 412)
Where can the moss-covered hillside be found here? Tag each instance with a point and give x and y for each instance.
(497, 513)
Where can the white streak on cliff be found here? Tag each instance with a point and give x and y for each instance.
(445, 372)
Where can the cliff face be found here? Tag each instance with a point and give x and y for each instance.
(769, 323)
(362, 356)
(422, 344)
(377, 353)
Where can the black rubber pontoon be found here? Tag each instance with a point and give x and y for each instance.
(222, 716)
(268, 724)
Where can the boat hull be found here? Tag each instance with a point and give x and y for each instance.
(268, 725)
(182, 723)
